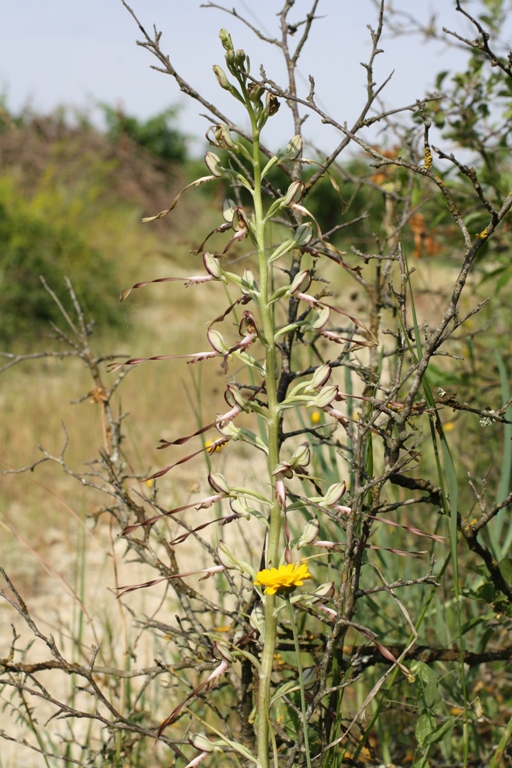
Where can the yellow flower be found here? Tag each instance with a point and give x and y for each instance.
(283, 579)
(211, 448)
(316, 417)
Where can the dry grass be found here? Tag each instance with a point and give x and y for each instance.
(167, 319)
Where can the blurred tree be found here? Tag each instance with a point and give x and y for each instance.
(158, 135)
(31, 245)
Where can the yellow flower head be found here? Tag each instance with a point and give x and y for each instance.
(283, 579)
(212, 448)
(316, 417)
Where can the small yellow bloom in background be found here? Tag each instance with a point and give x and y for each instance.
(448, 426)
(283, 579)
(211, 448)
(316, 417)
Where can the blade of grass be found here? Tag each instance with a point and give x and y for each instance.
(496, 530)
(436, 427)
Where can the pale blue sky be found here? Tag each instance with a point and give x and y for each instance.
(79, 52)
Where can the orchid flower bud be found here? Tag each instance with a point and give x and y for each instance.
(218, 482)
(213, 164)
(225, 39)
(216, 340)
(325, 590)
(272, 104)
(229, 430)
(221, 78)
(231, 62)
(255, 92)
(302, 456)
(334, 494)
(240, 58)
(212, 265)
(310, 678)
(300, 282)
(229, 560)
(293, 149)
(257, 620)
(321, 318)
(221, 651)
(248, 280)
(309, 534)
(240, 507)
(201, 742)
(294, 193)
(235, 397)
(325, 396)
(228, 210)
(303, 235)
(223, 137)
(321, 376)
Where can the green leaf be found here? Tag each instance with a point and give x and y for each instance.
(438, 734)
(500, 543)
(439, 378)
(487, 593)
(506, 569)
(423, 729)
(440, 78)
(427, 682)
(472, 623)
(431, 696)
(289, 687)
(285, 247)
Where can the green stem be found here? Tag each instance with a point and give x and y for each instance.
(272, 549)
(267, 662)
(301, 680)
(500, 749)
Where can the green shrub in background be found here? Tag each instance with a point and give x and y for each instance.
(71, 200)
(157, 135)
(32, 244)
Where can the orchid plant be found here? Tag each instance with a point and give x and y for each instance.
(283, 307)
(259, 352)
(277, 388)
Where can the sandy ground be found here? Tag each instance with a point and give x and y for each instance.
(47, 573)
